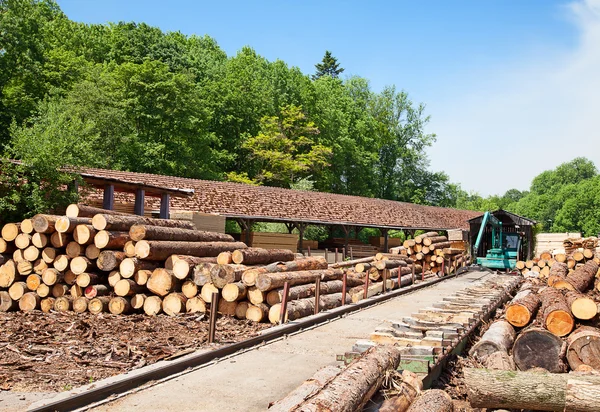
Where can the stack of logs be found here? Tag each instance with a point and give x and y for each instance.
(433, 252)
(548, 325)
(102, 261)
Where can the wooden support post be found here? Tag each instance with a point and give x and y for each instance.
(423, 274)
(413, 273)
(336, 255)
(317, 294)
(284, 302)
(385, 277)
(344, 286)
(443, 267)
(385, 233)
(346, 230)
(212, 327)
(326, 256)
(343, 253)
(245, 225)
(308, 253)
(400, 277)
(138, 207)
(290, 227)
(366, 286)
(165, 199)
(301, 227)
(351, 256)
(108, 200)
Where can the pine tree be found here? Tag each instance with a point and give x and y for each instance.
(328, 67)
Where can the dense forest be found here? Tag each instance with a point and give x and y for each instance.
(129, 96)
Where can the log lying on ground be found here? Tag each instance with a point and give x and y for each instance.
(580, 279)
(538, 391)
(301, 308)
(150, 232)
(79, 210)
(522, 308)
(161, 250)
(104, 221)
(584, 348)
(500, 360)
(260, 256)
(433, 400)
(305, 291)
(405, 393)
(499, 337)
(310, 386)
(556, 313)
(268, 281)
(353, 387)
(538, 348)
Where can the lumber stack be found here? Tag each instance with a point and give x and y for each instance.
(434, 253)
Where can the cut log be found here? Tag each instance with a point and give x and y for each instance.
(433, 400)
(259, 256)
(580, 279)
(33, 281)
(500, 360)
(189, 289)
(7, 303)
(81, 264)
(92, 252)
(119, 305)
(389, 264)
(103, 221)
(40, 240)
(201, 274)
(61, 263)
(84, 234)
(228, 308)
(43, 290)
(195, 305)
(111, 240)
(162, 282)
(362, 267)
(66, 224)
(39, 266)
(98, 305)
(309, 263)
(109, 260)
(224, 258)
(357, 294)
(17, 289)
(76, 291)
(223, 274)
(233, 291)
(404, 394)
(522, 308)
(582, 307)
(578, 256)
(113, 278)
(419, 239)
(24, 267)
(499, 337)
(174, 303)
(584, 347)
(26, 226)
(343, 264)
(152, 305)
(78, 210)
(207, 291)
(59, 290)
(241, 309)
(354, 386)
(137, 301)
(8, 273)
(268, 281)
(257, 313)
(29, 301)
(44, 223)
(80, 305)
(59, 240)
(256, 296)
(94, 291)
(6, 247)
(129, 266)
(537, 390)
(300, 308)
(127, 287)
(538, 348)
(556, 313)
(10, 231)
(23, 240)
(141, 276)
(305, 291)
(47, 305)
(161, 250)
(428, 241)
(182, 265)
(51, 276)
(149, 232)
(74, 250)
(129, 248)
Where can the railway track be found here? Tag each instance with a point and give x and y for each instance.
(148, 378)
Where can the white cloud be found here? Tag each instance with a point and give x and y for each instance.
(511, 122)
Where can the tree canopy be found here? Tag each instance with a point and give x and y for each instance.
(329, 66)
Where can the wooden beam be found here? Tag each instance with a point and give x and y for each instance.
(138, 207)
(164, 206)
(108, 199)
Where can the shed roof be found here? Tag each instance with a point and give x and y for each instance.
(506, 217)
(278, 204)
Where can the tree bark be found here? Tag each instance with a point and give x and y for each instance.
(7, 304)
(268, 281)
(103, 221)
(79, 210)
(66, 224)
(305, 291)
(94, 291)
(500, 360)
(532, 390)
(300, 308)
(432, 400)
(522, 308)
(109, 260)
(556, 313)
(150, 232)
(201, 274)
(44, 223)
(354, 386)
(259, 256)
(111, 240)
(161, 250)
(558, 271)
(221, 275)
(580, 279)
(428, 241)
(346, 263)
(407, 392)
(389, 264)
(234, 291)
(538, 348)
(584, 348)
(499, 337)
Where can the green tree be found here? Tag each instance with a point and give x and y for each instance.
(284, 150)
(329, 66)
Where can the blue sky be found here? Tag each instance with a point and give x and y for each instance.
(499, 78)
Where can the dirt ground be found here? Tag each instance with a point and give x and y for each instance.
(59, 351)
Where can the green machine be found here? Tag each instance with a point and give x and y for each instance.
(505, 246)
